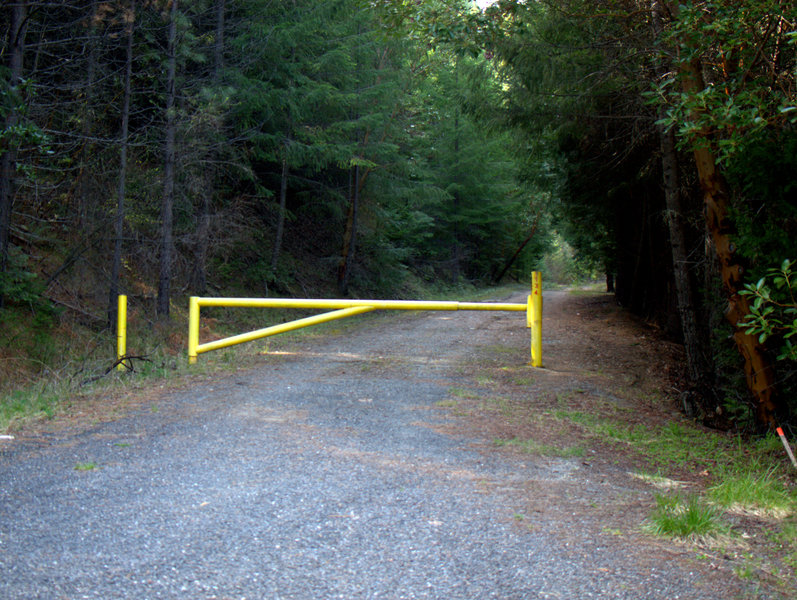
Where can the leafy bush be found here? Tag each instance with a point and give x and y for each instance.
(773, 309)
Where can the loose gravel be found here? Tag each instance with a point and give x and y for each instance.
(325, 473)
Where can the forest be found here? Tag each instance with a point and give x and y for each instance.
(391, 148)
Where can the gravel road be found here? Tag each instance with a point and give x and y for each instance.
(327, 472)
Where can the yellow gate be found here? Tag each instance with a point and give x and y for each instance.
(346, 308)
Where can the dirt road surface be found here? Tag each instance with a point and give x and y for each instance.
(365, 465)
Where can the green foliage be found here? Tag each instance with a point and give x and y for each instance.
(22, 287)
(764, 211)
(561, 266)
(773, 309)
(746, 94)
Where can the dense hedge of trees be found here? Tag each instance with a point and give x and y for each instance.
(164, 148)
(673, 126)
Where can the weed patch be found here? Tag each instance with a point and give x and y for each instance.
(686, 518)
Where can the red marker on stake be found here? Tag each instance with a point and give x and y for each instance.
(786, 445)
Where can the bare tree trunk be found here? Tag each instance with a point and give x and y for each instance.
(199, 282)
(609, 282)
(697, 363)
(167, 204)
(85, 179)
(120, 190)
(16, 37)
(757, 366)
(350, 234)
(281, 216)
(218, 46)
(512, 259)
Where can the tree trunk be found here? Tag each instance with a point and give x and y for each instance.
(757, 366)
(120, 190)
(281, 216)
(85, 179)
(199, 278)
(456, 250)
(16, 39)
(167, 204)
(609, 282)
(697, 364)
(513, 258)
(350, 234)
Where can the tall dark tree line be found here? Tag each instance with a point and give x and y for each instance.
(160, 148)
(653, 105)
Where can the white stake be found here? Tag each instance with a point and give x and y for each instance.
(788, 448)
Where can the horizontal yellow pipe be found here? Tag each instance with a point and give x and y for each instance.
(275, 329)
(373, 304)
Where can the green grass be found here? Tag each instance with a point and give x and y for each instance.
(447, 403)
(589, 289)
(35, 401)
(671, 445)
(531, 446)
(85, 466)
(686, 518)
(755, 490)
(463, 393)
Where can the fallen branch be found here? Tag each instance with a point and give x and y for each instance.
(122, 360)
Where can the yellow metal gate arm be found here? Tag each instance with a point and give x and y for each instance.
(341, 308)
(343, 303)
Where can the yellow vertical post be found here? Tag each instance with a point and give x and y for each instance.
(193, 328)
(535, 312)
(121, 331)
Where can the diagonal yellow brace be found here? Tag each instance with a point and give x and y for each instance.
(195, 348)
(345, 308)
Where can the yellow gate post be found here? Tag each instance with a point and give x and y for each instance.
(121, 331)
(193, 328)
(535, 318)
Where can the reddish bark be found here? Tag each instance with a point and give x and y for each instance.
(757, 366)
